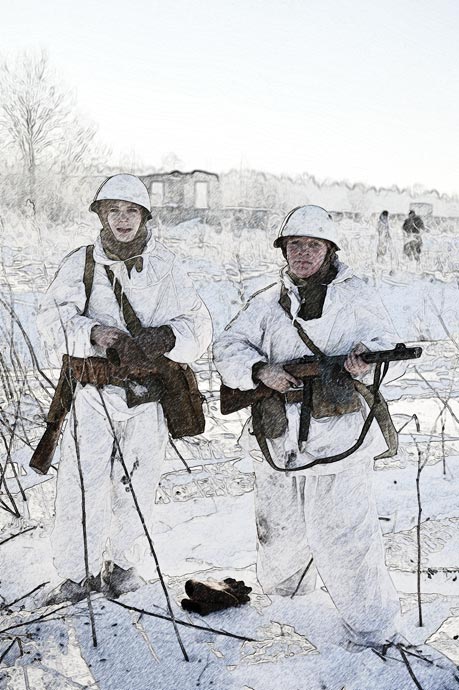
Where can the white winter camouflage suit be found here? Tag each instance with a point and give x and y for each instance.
(327, 511)
(161, 294)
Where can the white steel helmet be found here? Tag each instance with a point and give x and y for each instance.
(308, 221)
(123, 187)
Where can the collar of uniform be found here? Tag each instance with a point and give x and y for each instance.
(101, 257)
(158, 261)
(290, 297)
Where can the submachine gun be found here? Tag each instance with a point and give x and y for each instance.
(233, 399)
(331, 368)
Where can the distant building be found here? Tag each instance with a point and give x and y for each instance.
(186, 190)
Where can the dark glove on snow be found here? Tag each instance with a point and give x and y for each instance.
(156, 341)
(209, 596)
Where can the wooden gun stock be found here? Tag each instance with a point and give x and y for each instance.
(60, 406)
(233, 399)
(44, 452)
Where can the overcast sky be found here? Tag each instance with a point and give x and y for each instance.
(357, 90)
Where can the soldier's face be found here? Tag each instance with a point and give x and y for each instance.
(124, 219)
(305, 255)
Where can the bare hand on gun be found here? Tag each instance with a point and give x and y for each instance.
(274, 376)
(354, 364)
(105, 336)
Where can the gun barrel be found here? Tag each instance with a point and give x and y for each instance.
(398, 354)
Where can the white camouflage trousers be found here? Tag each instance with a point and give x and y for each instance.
(332, 518)
(112, 523)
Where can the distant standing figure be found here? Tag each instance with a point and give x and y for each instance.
(412, 228)
(384, 249)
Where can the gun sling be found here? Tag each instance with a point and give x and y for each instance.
(378, 410)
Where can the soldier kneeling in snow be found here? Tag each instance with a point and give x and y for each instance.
(327, 511)
(126, 299)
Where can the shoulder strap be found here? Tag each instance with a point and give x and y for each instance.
(307, 340)
(247, 304)
(88, 275)
(131, 319)
(129, 315)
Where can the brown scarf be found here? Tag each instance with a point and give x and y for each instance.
(129, 252)
(312, 290)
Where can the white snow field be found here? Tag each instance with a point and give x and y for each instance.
(204, 527)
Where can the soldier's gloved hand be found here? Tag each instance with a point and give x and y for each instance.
(355, 364)
(156, 341)
(274, 376)
(126, 354)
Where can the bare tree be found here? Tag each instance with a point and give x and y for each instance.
(39, 122)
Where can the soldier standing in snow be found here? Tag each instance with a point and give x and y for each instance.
(327, 511)
(412, 227)
(126, 264)
(385, 248)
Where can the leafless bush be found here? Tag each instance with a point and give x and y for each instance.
(42, 130)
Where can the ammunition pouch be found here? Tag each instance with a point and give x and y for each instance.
(272, 415)
(181, 399)
(333, 393)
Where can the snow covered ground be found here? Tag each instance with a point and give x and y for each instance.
(204, 527)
